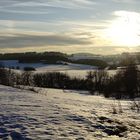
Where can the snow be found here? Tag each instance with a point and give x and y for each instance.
(47, 67)
(73, 70)
(83, 73)
(15, 63)
(67, 67)
(52, 114)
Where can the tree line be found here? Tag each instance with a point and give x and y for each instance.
(124, 84)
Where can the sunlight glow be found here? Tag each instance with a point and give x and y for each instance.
(124, 30)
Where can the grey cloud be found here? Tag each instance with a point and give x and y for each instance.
(39, 9)
(126, 1)
(50, 3)
(24, 12)
(22, 40)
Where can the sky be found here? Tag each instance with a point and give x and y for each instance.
(70, 26)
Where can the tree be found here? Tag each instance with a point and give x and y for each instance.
(130, 79)
(98, 80)
(27, 78)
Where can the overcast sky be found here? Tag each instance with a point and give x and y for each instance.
(70, 26)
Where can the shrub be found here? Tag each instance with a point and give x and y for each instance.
(17, 67)
(135, 106)
(26, 78)
(29, 69)
(98, 79)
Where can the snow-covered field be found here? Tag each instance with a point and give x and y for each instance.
(74, 70)
(52, 114)
(47, 67)
(83, 73)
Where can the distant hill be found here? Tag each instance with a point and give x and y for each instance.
(78, 56)
(101, 61)
(93, 62)
(34, 57)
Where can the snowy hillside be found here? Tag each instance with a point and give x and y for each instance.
(53, 114)
(47, 67)
(74, 70)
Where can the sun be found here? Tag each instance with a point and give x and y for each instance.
(124, 30)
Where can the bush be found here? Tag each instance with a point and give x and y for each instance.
(135, 106)
(26, 78)
(58, 80)
(8, 77)
(29, 69)
(97, 80)
(4, 76)
(17, 67)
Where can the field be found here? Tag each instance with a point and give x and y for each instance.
(74, 70)
(51, 114)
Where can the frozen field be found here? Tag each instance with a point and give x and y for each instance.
(47, 67)
(53, 114)
(83, 73)
(74, 70)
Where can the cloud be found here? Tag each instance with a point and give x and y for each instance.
(64, 25)
(126, 1)
(72, 4)
(27, 40)
(44, 10)
(70, 27)
(24, 12)
(126, 13)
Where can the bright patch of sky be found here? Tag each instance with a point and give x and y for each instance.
(95, 26)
